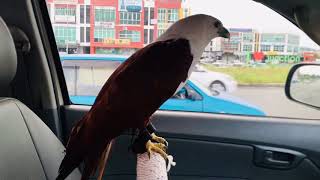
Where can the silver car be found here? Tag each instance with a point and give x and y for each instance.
(215, 81)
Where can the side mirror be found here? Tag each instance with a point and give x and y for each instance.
(303, 84)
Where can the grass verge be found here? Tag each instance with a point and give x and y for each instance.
(269, 74)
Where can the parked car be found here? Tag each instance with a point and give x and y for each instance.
(215, 81)
(194, 97)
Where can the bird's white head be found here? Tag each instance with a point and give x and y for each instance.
(199, 29)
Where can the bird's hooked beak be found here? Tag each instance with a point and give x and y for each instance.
(223, 32)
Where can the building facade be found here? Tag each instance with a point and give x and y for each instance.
(241, 40)
(281, 43)
(249, 40)
(113, 26)
(247, 44)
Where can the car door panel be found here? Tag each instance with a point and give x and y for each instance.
(211, 146)
(213, 158)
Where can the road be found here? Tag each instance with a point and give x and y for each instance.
(273, 101)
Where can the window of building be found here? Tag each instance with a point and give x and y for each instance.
(81, 34)
(102, 33)
(248, 37)
(65, 34)
(84, 34)
(265, 47)
(146, 16)
(65, 11)
(161, 15)
(151, 14)
(145, 36)
(81, 14)
(151, 36)
(168, 15)
(278, 48)
(101, 50)
(88, 14)
(173, 15)
(65, 14)
(160, 32)
(247, 48)
(273, 38)
(131, 18)
(104, 14)
(87, 34)
(134, 36)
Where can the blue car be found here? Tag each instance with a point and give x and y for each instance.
(196, 98)
(192, 97)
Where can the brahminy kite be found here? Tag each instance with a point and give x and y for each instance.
(136, 89)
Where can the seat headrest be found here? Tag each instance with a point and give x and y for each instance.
(8, 56)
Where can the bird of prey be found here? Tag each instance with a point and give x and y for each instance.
(136, 89)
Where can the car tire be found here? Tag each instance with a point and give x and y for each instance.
(217, 86)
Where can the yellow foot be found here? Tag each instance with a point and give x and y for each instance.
(159, 139)
(156, 147)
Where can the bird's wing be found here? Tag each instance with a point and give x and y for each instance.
(136, 89)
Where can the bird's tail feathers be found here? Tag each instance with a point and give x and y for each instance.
(99, 160)
(71, 160)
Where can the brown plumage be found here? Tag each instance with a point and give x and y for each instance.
(131, 95)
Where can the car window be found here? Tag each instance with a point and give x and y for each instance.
(247, 71)
(187, 93)
(181, 94)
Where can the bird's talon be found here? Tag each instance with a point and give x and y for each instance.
(149, 154)
(156, 147)
(161, 146)
(159, 139)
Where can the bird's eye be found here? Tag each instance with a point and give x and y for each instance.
(217, 24)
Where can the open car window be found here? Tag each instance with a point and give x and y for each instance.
(246, 72)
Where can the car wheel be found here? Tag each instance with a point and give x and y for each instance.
(217, 86)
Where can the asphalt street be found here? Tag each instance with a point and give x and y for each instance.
(273, 101)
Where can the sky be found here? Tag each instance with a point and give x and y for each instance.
(249, 14)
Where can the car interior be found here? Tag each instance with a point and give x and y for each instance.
(36, 115)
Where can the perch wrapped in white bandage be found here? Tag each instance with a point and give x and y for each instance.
(153, 168)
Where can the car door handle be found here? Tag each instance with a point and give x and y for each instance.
(270, 159)
(276, 158)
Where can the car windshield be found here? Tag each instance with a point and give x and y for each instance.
(203, 88)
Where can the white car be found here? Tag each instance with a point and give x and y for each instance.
(215, 81)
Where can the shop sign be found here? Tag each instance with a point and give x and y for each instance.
(64, 19)
(117, 41)
(130, 5)
(105, 24)
(283, 59)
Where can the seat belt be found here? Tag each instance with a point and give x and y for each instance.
(20, 85)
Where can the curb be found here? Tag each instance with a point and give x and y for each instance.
(261, 85)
